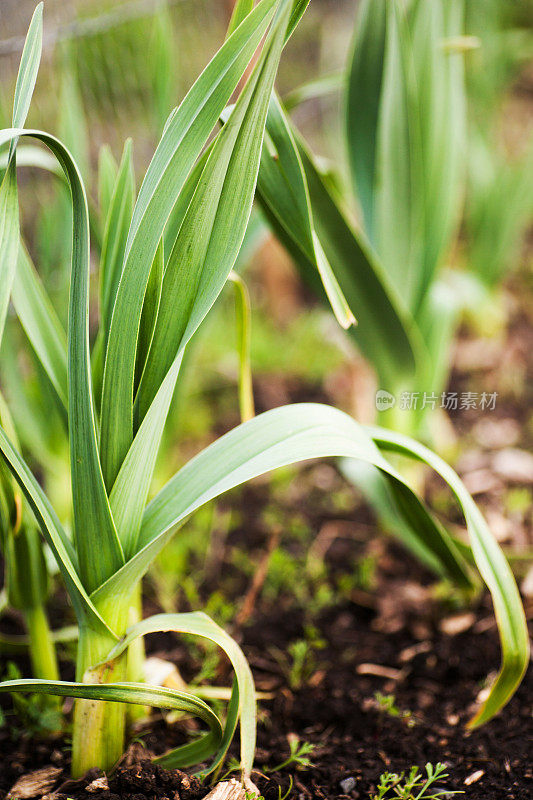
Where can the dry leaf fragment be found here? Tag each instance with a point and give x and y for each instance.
(35, 784)
(98, 785)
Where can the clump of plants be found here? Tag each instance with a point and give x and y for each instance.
(389, 226)
(166, 256)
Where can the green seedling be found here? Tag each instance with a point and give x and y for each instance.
(414, 785)
(299, 755)
(386, 704)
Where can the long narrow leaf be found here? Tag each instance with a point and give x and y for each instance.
(9, 238)
(283, 189)
(27, 74)
(92, 515)
(185, 135)
(365, 79)
(300, 432)
(386, 334)
(41, 324)
(199, 624)
(494, 570)
(139, 694)
(274, 439)
(207, 245)
(53, 532)
(243, 316)
(213, 229)
(118, 220)
(241, 10)
(130, 490)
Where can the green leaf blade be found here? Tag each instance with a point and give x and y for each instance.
(494, 570)
(215, 223)
(185, 135)
(41, 324)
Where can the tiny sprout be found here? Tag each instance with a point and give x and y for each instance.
(298, 755)
(414, 786)
(386, 704)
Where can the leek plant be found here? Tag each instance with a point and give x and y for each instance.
(166, 257)
(405, 111)
(405, 130)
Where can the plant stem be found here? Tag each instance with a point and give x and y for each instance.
(136, 655)
(99, 727)
(42, 650)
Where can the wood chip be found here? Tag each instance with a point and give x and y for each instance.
(458, 623)
(474, 777)
(35, 784)
(414, 650)
(159, 672)
(379, 671)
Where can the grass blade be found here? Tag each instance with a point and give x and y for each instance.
(150, 311)
(27, 74)
(241, 10)
(107, 177)
(365, 81)
(244, 323)
(9, 238)
(386, 334)
(53, 533)
(208, 242)
(118, 218)
(283, 190)
(130, 490)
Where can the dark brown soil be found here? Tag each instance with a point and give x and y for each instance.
(137, 781)
(396, 642)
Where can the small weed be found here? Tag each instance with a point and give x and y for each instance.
(299, 755)
(386, 704)
(414, 786)
(304, 662)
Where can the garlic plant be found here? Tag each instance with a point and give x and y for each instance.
(167, 255)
